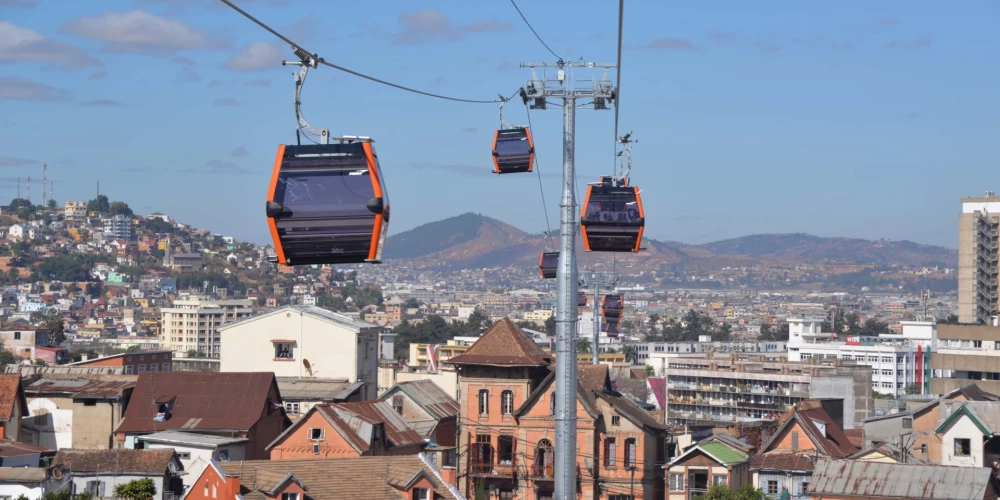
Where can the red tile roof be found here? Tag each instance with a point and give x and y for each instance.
(201, 400)
(10, 448)
(10, 394)
(834, 443)
(504, 344)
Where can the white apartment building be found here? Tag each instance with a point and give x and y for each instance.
(897, 361)
(75, 210)
(304, 341)
(192, 324)
(118, 227)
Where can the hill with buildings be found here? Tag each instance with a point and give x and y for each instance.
(472, 240)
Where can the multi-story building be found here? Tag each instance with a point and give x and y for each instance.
(304, 341)
(133, 363)
(192, 324)
(748, 388)
(75, 211)
(897, 362)
(507, 442)
(22, 339)
(978, 234)
(651, 353)
(118, 227)
(964, 354)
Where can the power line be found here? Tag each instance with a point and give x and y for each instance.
(618, 75)
(320, 60)
(535, 32)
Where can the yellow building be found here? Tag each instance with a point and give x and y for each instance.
(538, 315)
(419, 356)
(75, 234)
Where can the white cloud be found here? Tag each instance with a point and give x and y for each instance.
(255, 57)
(138, 31)
(22, 44)
(22, 89)
(429, 24)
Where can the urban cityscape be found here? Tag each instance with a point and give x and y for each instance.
(155, 347)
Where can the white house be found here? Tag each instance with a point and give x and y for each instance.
(195, 451)
(969, 432)
(303, 341)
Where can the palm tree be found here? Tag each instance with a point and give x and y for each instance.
(583, 345)
(630, 352)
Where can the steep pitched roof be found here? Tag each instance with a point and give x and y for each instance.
(201, 400)
(985, 414)
(11, 393)
(373, 478)
(504, 344)
(355, 421)
(888, 480)
(121, 461)
(970, 391)
(716, 450)
(832, 443)
(429, 396)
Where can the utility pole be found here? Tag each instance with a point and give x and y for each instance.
(596, 320)
(538, 90)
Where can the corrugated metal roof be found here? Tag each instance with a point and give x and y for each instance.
(985, 413)
(372, 412)
(190, 438)
(724, 454)
(79, 387)
(10, 448)
(887, 480)
(316, 389)
(28, 370)
(429, 396)
(23, 474)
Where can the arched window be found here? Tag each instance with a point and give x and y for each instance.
(484, 402)
(506, 402)
(544, 459)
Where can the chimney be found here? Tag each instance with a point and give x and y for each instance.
(233, 486)
(83, 357)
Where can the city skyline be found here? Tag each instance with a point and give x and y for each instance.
(825, 116)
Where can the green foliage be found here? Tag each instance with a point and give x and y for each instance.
(583, 346)
(51, 204)
(432, 330)
(136, 489)
(550, 325)
(20, 202)
(692, 325)
(77, 355)
(72, 267)
(134, 348)
(772, 334)
(412, 303)
(120, 208)
(747, 492)
(54, 324)
(912, 389)
(333, 303)
(7, 357)
(951, 319)
(99, 204)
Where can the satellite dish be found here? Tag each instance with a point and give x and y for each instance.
(307, 365)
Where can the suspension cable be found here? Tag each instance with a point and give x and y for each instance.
(535, 32)
(538, 170)
(618, 74)
(320, 60)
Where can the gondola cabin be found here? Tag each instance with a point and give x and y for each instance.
(513, 151)
(328, 204)
(547, 264)
(581, 299)
(612, 218)
(611, 307)
(612, 328)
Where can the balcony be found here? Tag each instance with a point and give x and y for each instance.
(485, 461)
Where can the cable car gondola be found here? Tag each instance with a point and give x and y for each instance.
(581, 299)
(611, 328)
(611, 307)
(513, 150)
(547, 264)
(612, 218)
(328, 204)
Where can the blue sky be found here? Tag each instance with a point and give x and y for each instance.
(836, 118)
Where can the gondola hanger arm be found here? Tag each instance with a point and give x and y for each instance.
(306, 61)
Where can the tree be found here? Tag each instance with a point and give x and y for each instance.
(331, 302)
(951, 319)
(51, 204)
(912, 389)
(120, 208)
(57, 329)
(550, 325)
(136, 489)
(630, 352)
(478, 321)
(747, 492)
(583, 345)
(99, 204)
(7, 357)
(132, 349)
(412, 303)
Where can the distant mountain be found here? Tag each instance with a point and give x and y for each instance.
(816, 249)
(473, 240)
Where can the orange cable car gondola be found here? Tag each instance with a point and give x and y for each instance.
(581, 299)
(611, 307)
(612, 328)
(513, 150)
(612, 218)
(548, 264)
(328, 204)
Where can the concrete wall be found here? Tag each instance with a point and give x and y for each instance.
(843, 387)
(332, 351)
(62, 423)
(111, 480)
(962, 427)
(16, 490)
(199, 457)
(967, 236)
(446, 380)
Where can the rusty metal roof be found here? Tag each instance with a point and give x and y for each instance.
(889, 480)
(317, 389)
(27, 370)
(80, 387)
(373, 412)
(23, 474)
(120, 461)
(201, 400)
(10, 448)
(429, 396)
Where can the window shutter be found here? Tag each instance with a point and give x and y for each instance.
(606, 454)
